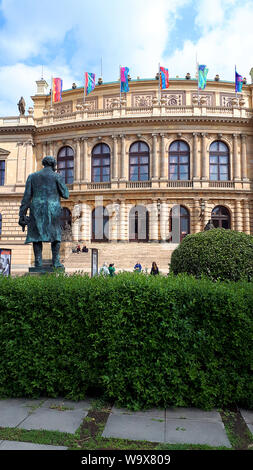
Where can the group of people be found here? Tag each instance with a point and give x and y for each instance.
(110, 270)
(78, 249)
(154, 268)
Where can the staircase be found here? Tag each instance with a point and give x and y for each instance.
(123, 255)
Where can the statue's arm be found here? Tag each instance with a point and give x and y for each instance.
(25, 203)
(62, 188)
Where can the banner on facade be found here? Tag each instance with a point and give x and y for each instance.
(5, 262)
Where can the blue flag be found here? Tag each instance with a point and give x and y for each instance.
(124, 79)
(238, 82)
(203, 71)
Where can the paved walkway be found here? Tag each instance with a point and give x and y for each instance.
(173, 425)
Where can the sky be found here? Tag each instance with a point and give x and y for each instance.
(69, 37)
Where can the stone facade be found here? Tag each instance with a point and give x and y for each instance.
(182, 114)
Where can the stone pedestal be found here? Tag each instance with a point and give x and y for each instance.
(46, 268)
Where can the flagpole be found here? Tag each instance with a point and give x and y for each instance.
(197, 65)
(101, 67)
(235, 84)
(159, 87)
(84, 90)
(51, 91)
(120, 85)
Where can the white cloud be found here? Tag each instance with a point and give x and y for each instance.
(221, 46)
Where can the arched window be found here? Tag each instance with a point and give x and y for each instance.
(179, 223)
(179, 161)
(66, 219)
(100, 170)
(139, 162)
(138, 224)
(2, 172)
(219, 161)
(65, 164)
(221, 217)
(100, 224)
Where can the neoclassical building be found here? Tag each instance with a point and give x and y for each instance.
(142, 172)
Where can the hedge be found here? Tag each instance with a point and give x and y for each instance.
(145, 341)
(218, 253)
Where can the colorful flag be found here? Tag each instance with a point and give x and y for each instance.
(56, 90)
(238, 82)
(89, 82)
(202, 73)
(124, 79)
(164, 78)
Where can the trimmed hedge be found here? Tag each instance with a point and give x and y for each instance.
(217, 253)
(143, 340)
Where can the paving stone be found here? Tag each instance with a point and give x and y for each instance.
(54, 420)
(152, 413)
(130, 426)
(193, 413)
(14, 411)
(16, 445)
(189, 431)
(248, 418)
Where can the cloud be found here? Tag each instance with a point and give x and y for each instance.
(222, 45)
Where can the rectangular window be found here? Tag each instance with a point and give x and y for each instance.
(2, 172)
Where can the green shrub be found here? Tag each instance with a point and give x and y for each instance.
(218, 253)
(143, 340)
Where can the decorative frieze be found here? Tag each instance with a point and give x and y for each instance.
(61, 109)
(90, 103)
(177, 98)
(142, 100)
(208, 98)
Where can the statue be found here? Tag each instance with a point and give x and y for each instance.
(42, 196)
(21, 106)
(251, 74)
(209, 225)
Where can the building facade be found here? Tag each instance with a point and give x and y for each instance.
(144, 169)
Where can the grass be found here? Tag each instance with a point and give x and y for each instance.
(88, 436)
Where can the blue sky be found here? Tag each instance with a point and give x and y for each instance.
(70, 37)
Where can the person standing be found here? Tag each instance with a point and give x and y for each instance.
(154, 269)
(138, 267)
(111, 269)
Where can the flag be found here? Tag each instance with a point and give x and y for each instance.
(238, 82)
(202, 74)
(124, 79)
(89, 82)
(56, 90)
(164, 78)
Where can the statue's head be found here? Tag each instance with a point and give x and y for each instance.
(49, 161)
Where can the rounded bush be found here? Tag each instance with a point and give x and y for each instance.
(217, 253)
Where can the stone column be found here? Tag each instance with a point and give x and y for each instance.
(162, 158)
(123, 229)
(164, 221)
(153, 222)
(154, 157)
(238, 216)
(84, 159)
(115, 159)
(246, 216)
(123, 158)
(20, 163)
(197, 220)
(44, 150)
(29, 158)
(77, 161)
(204, 157)
(196, 159)
(236, 162)
(244, 156)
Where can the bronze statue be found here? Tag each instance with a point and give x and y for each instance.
(21, 106)
(209, 225)
(42, 196)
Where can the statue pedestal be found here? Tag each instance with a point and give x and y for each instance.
(46, 268)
